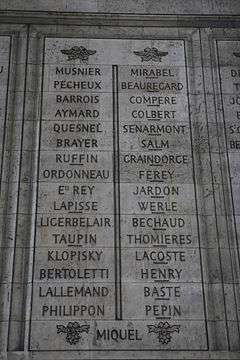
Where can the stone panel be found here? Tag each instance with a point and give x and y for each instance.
(116, 161)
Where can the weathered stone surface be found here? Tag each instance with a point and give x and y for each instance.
(119, 202)
(218, 7)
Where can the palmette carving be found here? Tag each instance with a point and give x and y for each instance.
(151, 54)
(73, 330)
(78, 52)
(164, 331)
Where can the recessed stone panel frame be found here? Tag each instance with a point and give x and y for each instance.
(12, 115)
(209, 192)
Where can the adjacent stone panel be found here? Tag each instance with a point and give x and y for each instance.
(229, 70)
(228, 56)
(117, 261)
(5, 50)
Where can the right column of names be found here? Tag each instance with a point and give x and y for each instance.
(159, 227)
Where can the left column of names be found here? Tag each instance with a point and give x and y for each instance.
(73, 279)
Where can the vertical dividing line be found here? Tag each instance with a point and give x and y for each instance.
(116, 184)
(9, 185)
(213, 187)
(39, 134)
(196, 196)
(6, 112)
(20, 345)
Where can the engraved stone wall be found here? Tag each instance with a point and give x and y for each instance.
(119, 212)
